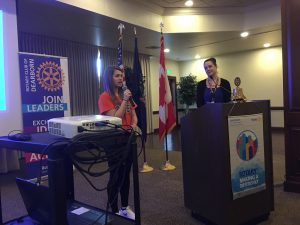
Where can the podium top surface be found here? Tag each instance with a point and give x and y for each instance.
(233, 108)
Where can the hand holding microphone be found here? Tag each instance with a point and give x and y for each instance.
(127, 96)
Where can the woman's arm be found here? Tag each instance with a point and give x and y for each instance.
(117, 112)
(134, 119)
(122, 108)
(107, 107)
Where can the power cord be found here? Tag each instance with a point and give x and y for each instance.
(98, 153)
(18, 135)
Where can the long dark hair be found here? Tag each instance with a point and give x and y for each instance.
(108, 84)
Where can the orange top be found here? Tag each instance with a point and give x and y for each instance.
(105, 104)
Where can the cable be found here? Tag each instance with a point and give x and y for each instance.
(18, 135)
(116, 126)
(44, 152)
(19, 132)
(89, 149)
(97, 156)
(116, 168)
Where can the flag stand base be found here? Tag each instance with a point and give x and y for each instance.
(167, 166)
(146, 168)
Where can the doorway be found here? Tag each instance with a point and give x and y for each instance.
(173, 89)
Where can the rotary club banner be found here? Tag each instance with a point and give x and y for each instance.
(45, 95)
(246, 141)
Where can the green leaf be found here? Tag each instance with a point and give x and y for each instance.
(187, 90)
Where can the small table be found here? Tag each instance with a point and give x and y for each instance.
(60, 171)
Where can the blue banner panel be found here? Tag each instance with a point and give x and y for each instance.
(45, 95)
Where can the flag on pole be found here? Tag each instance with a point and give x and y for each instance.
(167, 119)
(120, 48)
(138, 94)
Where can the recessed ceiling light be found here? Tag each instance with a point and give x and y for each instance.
(197, 56)
(267, 45)
(244, 34)
(189, 3)
(166, 50)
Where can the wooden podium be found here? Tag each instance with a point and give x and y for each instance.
(206, 165)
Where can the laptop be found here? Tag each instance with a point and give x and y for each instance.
(37, 202)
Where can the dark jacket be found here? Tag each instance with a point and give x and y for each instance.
(225, 88)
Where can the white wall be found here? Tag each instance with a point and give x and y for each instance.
(259, 70)
(194, 67)
(154, 79)
(11, 118)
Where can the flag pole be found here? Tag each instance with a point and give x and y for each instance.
(166, 143)
(167, 165)
(146, 168)
(136, 67)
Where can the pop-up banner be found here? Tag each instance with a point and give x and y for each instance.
(246, 154)
(45, 95)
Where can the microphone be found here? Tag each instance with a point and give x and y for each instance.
(124, 88)
(216, 85)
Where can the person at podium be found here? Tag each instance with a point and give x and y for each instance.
(213, 88)
(115, 101)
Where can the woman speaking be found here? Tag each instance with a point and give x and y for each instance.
(213, 88)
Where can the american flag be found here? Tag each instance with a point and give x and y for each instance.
(120, 49)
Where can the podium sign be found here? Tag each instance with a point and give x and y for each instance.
(246, 141)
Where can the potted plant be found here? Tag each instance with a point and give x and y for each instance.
(187, 91)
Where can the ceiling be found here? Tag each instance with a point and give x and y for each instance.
(72, 23)
(203, 3)
(206, 4)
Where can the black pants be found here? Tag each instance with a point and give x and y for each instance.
(119, 178)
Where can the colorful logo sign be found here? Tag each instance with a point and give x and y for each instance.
(246, 145)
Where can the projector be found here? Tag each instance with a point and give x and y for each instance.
(71, 126)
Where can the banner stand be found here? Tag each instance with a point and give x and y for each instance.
(45, 95)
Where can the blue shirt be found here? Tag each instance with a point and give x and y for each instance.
(213, 95)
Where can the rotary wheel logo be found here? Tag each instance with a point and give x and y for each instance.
(50, 76)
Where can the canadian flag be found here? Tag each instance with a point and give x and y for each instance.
(167, 119)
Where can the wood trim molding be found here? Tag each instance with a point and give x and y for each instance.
(281, 129)
(277, 108)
